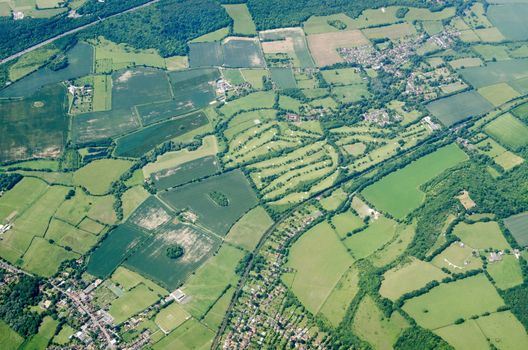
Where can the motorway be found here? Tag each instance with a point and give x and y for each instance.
(72, 31)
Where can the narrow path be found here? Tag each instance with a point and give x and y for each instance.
(72, 31)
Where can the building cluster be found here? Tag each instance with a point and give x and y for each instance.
(263, 314)
(381, 117)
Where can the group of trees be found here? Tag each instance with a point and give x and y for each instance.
(8, 181)
(14, 303)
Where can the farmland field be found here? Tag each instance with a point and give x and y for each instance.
(132, 302)
(464, 336)
(324, 46)
(96, 178)
(283, 77)
(335, 306)
(319, 261)
(248, 230)
(366, 242)
(186, 172)
(151, 258)
(503, 330)
(140, 142)
(481, 235)
(399, 192)
(453, 109)
(242, 18)
(196, 198)
(508, 130)
(9, 339)
(44, 258)
(498, 94)
(446, 303)
(518, 226)
(496, 72)
(506, 273)
(509, 19)
(34, 126)
(190, 335)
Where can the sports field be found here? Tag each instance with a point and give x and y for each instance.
(399, 192)
(171, 317)
(518, 226)
(453, 109)
(319, 260)
(444, 304)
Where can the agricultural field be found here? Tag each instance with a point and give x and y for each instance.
(236, 198)
(318, 260)
(399, 193)
(190, 170)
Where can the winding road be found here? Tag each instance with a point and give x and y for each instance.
(72, 31)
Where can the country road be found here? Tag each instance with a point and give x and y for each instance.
(72, 31)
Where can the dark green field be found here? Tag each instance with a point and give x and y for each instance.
(138, 143)
(186, 172)
(283, 77)
(34, 126)
(196, 197)
(232, 53)
(114, 249)
(496, 72)
(205, 54)
(455, 108)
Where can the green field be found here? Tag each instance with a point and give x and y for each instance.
(132, 199)
(211, 280)
(31, 62)
(453, 109)
(243, 23)
(408, 277)
(444, 304)
(504, 331)
(481, 235)
(371, 325)
(509, 131)
(189, 336)
(142, 141)
(196, 198)
(464, 336)
(336, 305)
(457, 258)
(151, 258)
(498, 94)
(319, 261)
(66, 235)
(496, 72)
(283, 77)
(509, 18)
(171, 317)
(247, 231)
(506, 273)
(44, 259)
(214, 317)
(186, 172)
(366, 242)
(64, 335)
(399, 192)
(42, 338)
(97, 176)
(518, 226)
(346, 222)
(114, 249)
(132, 302)
(9, 339)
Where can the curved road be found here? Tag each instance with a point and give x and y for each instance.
(72, 31)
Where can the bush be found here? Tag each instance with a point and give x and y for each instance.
(175, 252)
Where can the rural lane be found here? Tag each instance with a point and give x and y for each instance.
(72, 31)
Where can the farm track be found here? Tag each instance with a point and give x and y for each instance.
(286, 215)
(73, 31)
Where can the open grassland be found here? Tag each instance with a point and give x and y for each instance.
(217, 35)
(444, 304)
(518, 226)
(509, 131)
(214, 317)
(247, 231)
(491, 53)
(466, 62)
(189, 336)
(506, 273)
(394, 31)
(132, 199)
(371, 325)
(366, 242)
(498, 94)
(9, 339)
(496, 72)
(81, 206)
(20, 197)
(407, 277)
(399, 192)
(243, 23)
(66, 235)
(509, 18)
(31, 62)
(336, 305)
(171, 317)
(125, 278)
(132, 302)
(453, 109)
(319, 261)
(501, 156)
(257, 100)
(254, 77)
(63, 337)
(196, 197)
(97, 176)
(346, 222)
(44, 258)
(334, 200)
(458, 257)
(211, 280)
(396, 246)
(504, 331)
(464, 336)
(481, 235)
